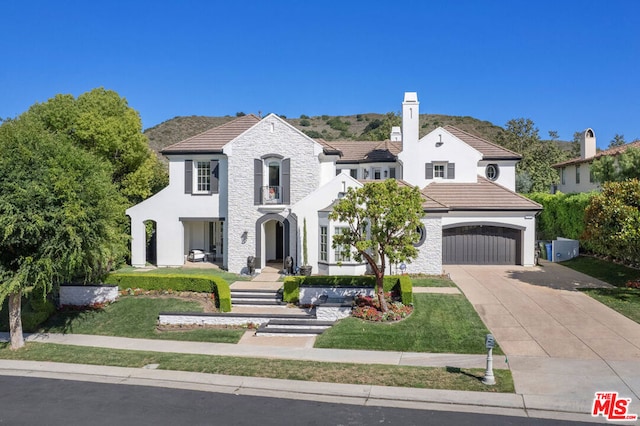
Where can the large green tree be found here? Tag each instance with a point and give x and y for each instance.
(534, 172)
(623, 166)
(61, 216)
(383, 220)
(102, 122)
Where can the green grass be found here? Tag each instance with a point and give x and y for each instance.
(621, 299)
(228, 276)
(365, 374)
(609, 272)
(439, 323)
(136, 317)
(431, 281)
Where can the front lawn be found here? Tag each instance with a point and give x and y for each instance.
(444, 323)
(466, 379)
(431, 281)
(621, 299)
(136, 316)
(227, 276)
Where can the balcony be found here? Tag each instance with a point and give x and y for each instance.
(271, 195)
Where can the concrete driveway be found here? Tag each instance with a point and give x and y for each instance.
(535, 311)
(562, 346)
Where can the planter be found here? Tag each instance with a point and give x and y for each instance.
(306, 270)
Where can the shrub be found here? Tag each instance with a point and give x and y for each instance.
(312, 134)
(305, 123)
(304, 117)
(398, 283)
(177, 282)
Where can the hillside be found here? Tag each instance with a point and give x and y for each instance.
(348, 127)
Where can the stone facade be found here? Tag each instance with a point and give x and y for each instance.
(270, 136)
(80, 295)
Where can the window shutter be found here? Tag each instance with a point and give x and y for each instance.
(392, 172)
(286, 180)
(257, 181)
(214, 176)
(188, 176)
(428, 171)
(451, 170)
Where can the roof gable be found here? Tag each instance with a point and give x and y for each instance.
(214, 139)
(489, 150)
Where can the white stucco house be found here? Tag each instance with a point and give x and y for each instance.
(246, 188)
(575, 174)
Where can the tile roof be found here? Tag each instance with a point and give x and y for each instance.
(482, 195)
(611, 151)
(213, 139)
(367, 151)
(489, 150)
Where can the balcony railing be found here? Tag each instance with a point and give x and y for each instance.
(271, 195)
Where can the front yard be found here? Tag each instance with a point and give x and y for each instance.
(622, 299)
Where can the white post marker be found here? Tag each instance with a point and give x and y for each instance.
(489, 343)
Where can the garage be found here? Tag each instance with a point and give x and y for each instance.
(481, 245)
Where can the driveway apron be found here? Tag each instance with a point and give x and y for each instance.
(558, 341)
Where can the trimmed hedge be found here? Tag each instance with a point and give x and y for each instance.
(291, 291)
(34, 311)
(177, 282)
(563, 215)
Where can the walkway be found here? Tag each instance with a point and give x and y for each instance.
(561, 345)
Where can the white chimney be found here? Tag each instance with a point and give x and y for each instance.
(587, 144)
(410, 119)
(396, 134)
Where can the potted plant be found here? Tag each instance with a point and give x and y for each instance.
(305, 269)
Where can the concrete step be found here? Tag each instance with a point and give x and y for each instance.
(256, 302)
(256, 297)
(293, 327)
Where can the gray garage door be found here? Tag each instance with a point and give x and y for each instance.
(480, 245)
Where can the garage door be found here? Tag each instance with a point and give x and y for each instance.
(480, 245)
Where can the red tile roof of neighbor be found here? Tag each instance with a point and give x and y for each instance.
(213, 140)
(611, 151)
(482, 195)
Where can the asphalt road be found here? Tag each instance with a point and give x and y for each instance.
(28, 401)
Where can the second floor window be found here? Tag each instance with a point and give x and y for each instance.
(577, 174)
(203, 176)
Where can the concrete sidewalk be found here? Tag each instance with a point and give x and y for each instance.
(478, 402)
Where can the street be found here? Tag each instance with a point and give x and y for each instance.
(27, 401)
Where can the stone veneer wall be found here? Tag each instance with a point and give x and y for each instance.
(429, 260)
(81, 295)
(261, 140)
(311, 295)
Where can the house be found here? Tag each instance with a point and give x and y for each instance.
(575, 174)
(247, 188)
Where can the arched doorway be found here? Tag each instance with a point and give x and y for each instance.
(151, 244)
(273, 240)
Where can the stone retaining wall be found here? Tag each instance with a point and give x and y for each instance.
(86, 295)
(310, 295)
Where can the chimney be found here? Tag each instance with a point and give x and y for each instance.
(396, 134)
(587, 144)
(410, 119)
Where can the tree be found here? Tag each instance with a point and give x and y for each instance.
(618, 140)
(380, 129)
(534, 171)
(101, 122)
(60, 215)
(383, 221)
(625, 165)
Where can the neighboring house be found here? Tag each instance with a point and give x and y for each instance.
(245, 189)
(575, 174)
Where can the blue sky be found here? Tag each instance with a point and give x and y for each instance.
(566, 65)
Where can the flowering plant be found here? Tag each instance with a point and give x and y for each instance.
(368, 308)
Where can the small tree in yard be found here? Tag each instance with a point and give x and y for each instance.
(60, 214)
(384, 218)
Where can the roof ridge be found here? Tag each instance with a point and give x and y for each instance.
(482, 139)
